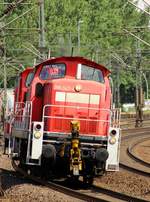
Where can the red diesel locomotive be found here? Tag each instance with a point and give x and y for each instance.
(63, 122)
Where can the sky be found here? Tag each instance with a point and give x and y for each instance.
(143, 3)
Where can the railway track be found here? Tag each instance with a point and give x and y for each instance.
(81, 191)
(130, 123)
(128, 159)
(93, 193)
(134, 156)
(132, 131)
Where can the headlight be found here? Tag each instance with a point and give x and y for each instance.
(37, 134)
(112, 140)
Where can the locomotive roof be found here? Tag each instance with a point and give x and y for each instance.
(76, 59)
(28, 69)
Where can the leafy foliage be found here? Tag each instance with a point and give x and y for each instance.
(102, 35)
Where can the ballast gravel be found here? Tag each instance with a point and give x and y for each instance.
(126, 182)
(29, 192)
(22, 190)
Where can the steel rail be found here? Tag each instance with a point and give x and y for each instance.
(56, 186)
(118, 195)
(132, 131)
(135, 170)
(135, 157)
(82, 194)
(130, 123)
(126, 166)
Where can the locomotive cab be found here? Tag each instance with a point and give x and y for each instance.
(71, 128)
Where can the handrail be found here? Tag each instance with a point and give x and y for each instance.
(72, 107)
(24, 122)
(114, 114)
(24, 115)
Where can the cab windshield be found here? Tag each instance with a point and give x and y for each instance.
(85, 72)
(53, 71)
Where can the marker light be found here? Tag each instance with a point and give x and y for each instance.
(37, 134)
(113, 132)
(38, 127)
(112, 140)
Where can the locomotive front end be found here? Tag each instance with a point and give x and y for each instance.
(82, 101)
(69, 126)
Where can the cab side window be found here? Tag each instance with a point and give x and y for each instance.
(29, 79)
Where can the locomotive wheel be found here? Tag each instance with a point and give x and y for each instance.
(35, 170)
(23, 166)
(72, 178)
(88, 180)
(75, 178)
(73, 181)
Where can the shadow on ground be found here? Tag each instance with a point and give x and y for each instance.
(11, 178)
